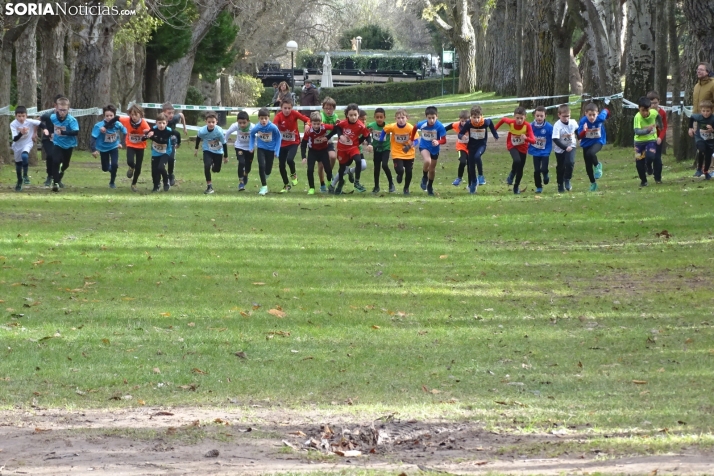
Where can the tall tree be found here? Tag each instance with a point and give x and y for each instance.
(700, 18)
(178, 75)
(454, 18)
(562, 25)
(51, 38)
(539, 54)
(639, 77)
(661, 12)
(502, 67)
(216, 50)
(26, 67)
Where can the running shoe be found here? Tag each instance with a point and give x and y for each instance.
(263, 190)
(311, 191)
(241, 187)
(129, 172)
(509, 179)
(568, 186)
(18, 187)
(359, 187)
(48, 182)
(323, 189)
(294, 179)
(539, 190)
(375, 190)
(392, 188)
(286, 188)
(26, 180)
(481, 180)
(172, 180)
(424, 181)
(112, 185)
(593, 187)
(598, 170)
(456, 182)
(209, 190)
(546, 179)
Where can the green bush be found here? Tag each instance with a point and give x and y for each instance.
(374, 37)
(385, 93)
(266, 97)
(245, 91)
(193, 97)
(395, 62)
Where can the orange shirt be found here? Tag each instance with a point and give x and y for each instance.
(461, 144)
(400, 137)
(134, 134)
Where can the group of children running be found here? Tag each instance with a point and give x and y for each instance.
(281, 137)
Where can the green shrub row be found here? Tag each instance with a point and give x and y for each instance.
(384, 93)
(364, 62)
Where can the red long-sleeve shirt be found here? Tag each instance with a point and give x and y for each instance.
(288, 127)
(518, 136)
(662, 133)
(350, 134)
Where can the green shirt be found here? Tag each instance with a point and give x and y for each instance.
(376, 132)
(643, 123)
(329, 119)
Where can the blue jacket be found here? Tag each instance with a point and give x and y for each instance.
(595, 129)
(69, 127)
(106, 141)
(268, 137)
(212, 140)
(544, 140)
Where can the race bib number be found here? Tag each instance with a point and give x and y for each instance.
(478, 134)
(462, 140)
(215, 145)
(428, 135)
(288, 136)
(265, 136)
(518, 139)
(566, 138)
(540, 143)
(60, 128)
(401, 138)
(344, 140)
(110, 137)
(593, 133)
(706, 134)
(135, 138)
(243, 136)
(320, 140)
(376, 135)
(161, 148)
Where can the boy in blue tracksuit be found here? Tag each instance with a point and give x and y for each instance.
(591, 131)
(543, 132)
(64, 140)
(161, 150)
(214, 142)
(266, 138)
(106, 142)
(432, 135)
(476, 131)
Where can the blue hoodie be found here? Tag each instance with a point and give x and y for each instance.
(596, 130)
(268, 137)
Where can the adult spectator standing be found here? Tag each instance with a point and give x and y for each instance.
(703, 90)
(283, 93)
(309, 95)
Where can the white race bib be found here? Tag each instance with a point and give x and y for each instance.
(566, 138)
(288, 136)
(161, 148)
(540, 143)
(344, 140)
(401, 138)
(135, 138)
(215, 144)
(110, 137)
(593, 133)
(428, 135)
(477, 134)
(265, 136)
(376, 135)
(320, 140)
(462, 140)
(60, 128)
(706, 135)
(518, 139)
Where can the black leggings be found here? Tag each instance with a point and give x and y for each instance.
(405, 168)
(704, 158)
(47, 148)
(211, 163)
(60, 162)
(463, 160)
(565, 162)
(264, 157)
(519, 161)
(475, 162)
(590, 156)
(381, 159)
(110, 162)
(320, 157)
(135, 159)
(158, 169)
(172, 159)
(287, 155)
(245, 162)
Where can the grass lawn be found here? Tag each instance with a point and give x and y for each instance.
(517, 311)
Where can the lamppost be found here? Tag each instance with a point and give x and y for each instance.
(292, 48)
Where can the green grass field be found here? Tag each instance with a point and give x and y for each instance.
(518, 311)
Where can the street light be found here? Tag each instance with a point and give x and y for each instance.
(359, 44)
(292, 47)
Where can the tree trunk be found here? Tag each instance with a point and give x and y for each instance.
(152, 84)
(661, 12)
(679, 147)
(700, 17)
(520, 26)
(92, 81)
(502, 67)
(51, 33)
(562, 26)
(26, 67)
(478, 21)
(71, 59)
(639, 77)
(576, 79)
(139, 67)
(177, 78)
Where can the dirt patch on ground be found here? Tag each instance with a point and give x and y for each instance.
(231, 441)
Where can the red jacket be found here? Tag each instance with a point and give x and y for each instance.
(518, 137)
(317, 140)
(350, 134)
(288, 127)
(662, 133)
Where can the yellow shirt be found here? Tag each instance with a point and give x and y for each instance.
(400, 137)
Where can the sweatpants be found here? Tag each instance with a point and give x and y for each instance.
(317, 157)
(21, 165)
(60, 162)
(245, 163)
(474, 162)
(264, 157)
(135, 159)
(590, 156)
(705, 155)
(540, 169)
(519, 161)
(404, 168)
(381, 161)
(158, 169)
(565, 163)
(110, 163)
(287, 157)
(211, 163)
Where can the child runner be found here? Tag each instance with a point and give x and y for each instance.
(381, 150)
(161, 148)
(705, 138)
(433, 134)
(655, 167)
(214, 141)
(461, 145)
(350, 131)
(172, 121)
(520, 134)
(541, 149)
(286, 120)
(401, 146)
(242, 128)
(645, 127)
(46, 130)
(591, 130)
(565, 141)
(24, 132)
(136, 128)
(476, 131)
(106, 142)
(316, 139)
(350, 171)
(64, 141)
(266, 146)
(329, 117)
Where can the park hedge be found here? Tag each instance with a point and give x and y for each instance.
(384, 93)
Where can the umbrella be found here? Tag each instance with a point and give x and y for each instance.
(326, 81)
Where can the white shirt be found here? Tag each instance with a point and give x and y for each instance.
(566, 133)
(242, 138)
(25, 144)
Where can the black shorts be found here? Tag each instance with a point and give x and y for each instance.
(434, 156)
(331, 147)
(247, 155)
